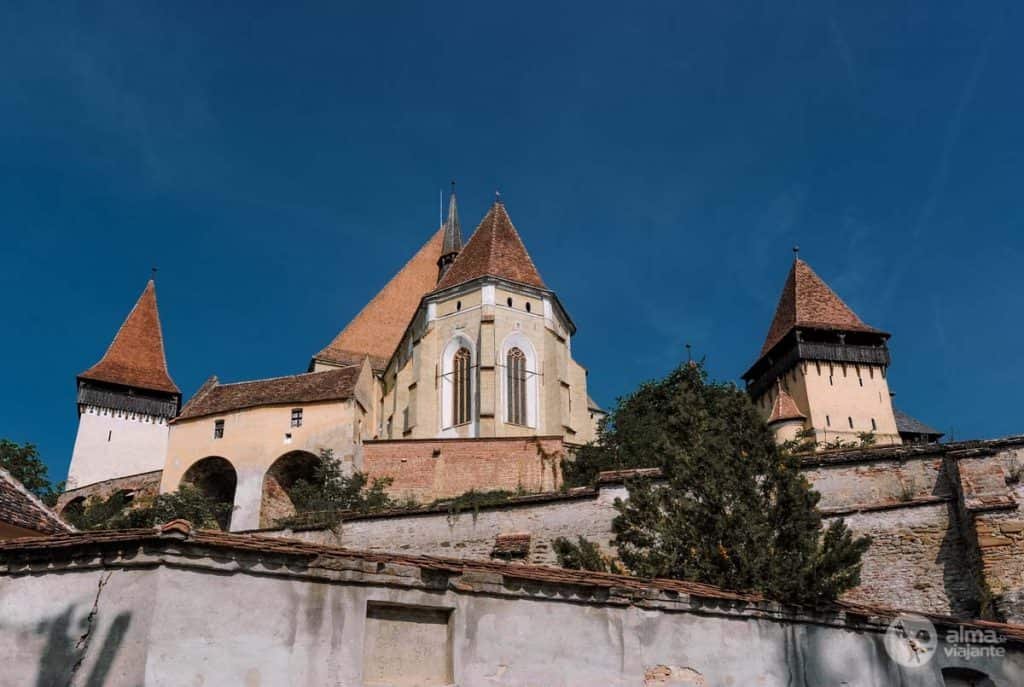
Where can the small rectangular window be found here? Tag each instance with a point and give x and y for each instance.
(296, 417)
(873, 425)
(851, 422)
(218, 429)
(828, 421)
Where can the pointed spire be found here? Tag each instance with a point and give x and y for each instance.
(784, 407)
(807, 301)
(495, 250)
(136, 357)
(452, 237)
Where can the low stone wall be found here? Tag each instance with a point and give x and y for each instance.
(472, 534)
(145, 485)
(175, 608)
(430, 469)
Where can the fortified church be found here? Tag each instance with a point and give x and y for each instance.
(459, 375)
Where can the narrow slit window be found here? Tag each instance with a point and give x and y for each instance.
(874, 426)
(851, 422)
(460, 379)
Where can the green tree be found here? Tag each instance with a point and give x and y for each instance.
(118, 511)
(24, 463)
(732, 510)
(329, 492)
(582, 554)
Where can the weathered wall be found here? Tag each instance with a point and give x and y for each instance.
(143, 486)
(426, 470)
(473, 534)
(260, 620)
(115, 442)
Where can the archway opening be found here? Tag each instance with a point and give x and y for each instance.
(279, 483)
(216, 479)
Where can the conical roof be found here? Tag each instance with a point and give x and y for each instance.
(807, 301)
(784, 408)
(136, 357)
(494, 250)
(378, 328)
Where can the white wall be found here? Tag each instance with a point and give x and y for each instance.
(116, 444)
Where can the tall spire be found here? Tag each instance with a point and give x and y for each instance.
(136, 357)
(452, 236)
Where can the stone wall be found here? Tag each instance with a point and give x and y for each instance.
(430, 469)
(947, 533)
(144, 486)
(200, 609)
(470, 534)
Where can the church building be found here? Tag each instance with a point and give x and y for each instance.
(457, 375)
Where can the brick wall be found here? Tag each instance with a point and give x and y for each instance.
(426, 470)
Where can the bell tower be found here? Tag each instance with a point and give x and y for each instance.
(125, 401)
(821, 368)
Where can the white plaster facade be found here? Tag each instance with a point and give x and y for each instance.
(114, 443)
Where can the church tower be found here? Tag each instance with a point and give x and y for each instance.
(125, 401)
(821, 368)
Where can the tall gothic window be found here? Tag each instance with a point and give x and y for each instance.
(515, 368)
(461, 386)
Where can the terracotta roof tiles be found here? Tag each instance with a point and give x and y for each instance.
(23, 509)
(378, 328)
(494, 250)
(136, 357)
(807, 301)
(214, 398)
(784, 407)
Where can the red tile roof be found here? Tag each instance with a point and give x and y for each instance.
(21, 508)
(214, 398)
(136, 355)
(494, 250)
(378, 328)
(807, 301)
(784, 408)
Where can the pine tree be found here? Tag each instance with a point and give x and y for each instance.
(733, 510)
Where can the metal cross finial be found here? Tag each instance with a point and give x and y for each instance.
(689, 357)
(796, 252)
(453, 185)
(153, 271)
(497, 196)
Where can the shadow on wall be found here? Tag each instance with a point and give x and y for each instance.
(66, 648)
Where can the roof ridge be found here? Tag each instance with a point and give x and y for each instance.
(35, 500)
(346, 366)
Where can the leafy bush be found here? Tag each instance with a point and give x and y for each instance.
(25, 465)
(118, 511)
(582, 555)
(329, 492)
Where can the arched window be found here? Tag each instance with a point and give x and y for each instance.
(460, 381)
(515, 368)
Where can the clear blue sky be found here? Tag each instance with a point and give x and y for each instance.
(279, 163)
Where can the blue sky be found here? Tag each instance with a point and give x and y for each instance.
(279, 162)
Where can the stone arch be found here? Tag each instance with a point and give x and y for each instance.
(276, 501)
(215, 478)
(73, 508)
(965, 677)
